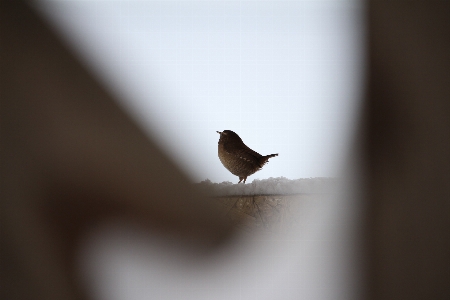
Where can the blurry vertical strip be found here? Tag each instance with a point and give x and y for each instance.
(406, 150)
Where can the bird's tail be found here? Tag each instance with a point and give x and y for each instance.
(264, 159)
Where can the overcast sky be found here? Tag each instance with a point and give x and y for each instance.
(284, 75)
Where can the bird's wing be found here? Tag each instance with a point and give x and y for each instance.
(245, 153)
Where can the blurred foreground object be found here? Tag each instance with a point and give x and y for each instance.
(406, 149)
(70, 159)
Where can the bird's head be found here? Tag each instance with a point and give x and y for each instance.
(228, 135)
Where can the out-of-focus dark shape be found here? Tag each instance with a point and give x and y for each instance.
(237, 157)
(406, 149)
(70, 158)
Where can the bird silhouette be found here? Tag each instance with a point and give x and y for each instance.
(239, 159)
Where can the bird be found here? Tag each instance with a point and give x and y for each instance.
(237, 158)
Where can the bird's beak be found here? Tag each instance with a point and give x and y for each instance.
(219, 132)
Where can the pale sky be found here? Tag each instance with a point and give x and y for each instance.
(285, 75)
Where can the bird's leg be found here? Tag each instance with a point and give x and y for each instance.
(240, 179)
(245, 178)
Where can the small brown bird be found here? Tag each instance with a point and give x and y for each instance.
(239, 159)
